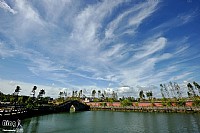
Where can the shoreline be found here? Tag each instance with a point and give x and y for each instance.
(148, 109)
(28, 113)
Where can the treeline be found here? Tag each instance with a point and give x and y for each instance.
(173, 90)
(170, 92)
(96, 95)
(26, 101)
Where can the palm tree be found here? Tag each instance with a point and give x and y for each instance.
(171, 87)
(149, 94)
(65, 94)
(76, 93)
(17, 90)
(114, 95)
(61, 93)
(33, 91)
(141, 94)
(105, 94)
(191, 92)
(166, 90)
(197, 86)
(99, 93)
(93, 93)
(73, 93)
(178, 90)
(162, 91)
(80, 93)
(41, 93)
(16, 93)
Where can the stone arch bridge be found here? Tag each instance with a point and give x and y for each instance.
(78, 106)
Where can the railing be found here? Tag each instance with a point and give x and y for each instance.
(10, 112)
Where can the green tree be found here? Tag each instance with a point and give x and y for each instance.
(41, 93)
(33, 91)
(61, 93)
(61, 96)
(149, 94)
(181, 102)
(20, 100)
(162, 91)
(65, 93)
(178, 90)
(16, 93)
(190, 92)
(171, 88)
(196, 102)
(73, 93)
(111, 100)
(93, 93)
(114, 96)
(17, 90)
(99, 93)
(1, 96)
(166, 90)
(126, 102)
(40, 96)
(197, 86)
(80, 93)
(141, 95)
(76, 93)
(30, 103)
(12, 99)
(105, 94)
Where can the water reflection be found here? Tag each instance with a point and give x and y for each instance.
(113, 122)
(31, 125)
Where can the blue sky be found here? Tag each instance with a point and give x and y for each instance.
(122, 45)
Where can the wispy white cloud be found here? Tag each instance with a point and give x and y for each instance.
(28, 13)
(5, 51)
(113, 51)
(53, 13)
(145, 11)
(6, 7)
(151, 47)
(138, 14)
(88, 21)
(182, 76)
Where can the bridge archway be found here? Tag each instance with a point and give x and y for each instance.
(72, 109)
(78, 106)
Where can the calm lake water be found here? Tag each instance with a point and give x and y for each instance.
(113, 122)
